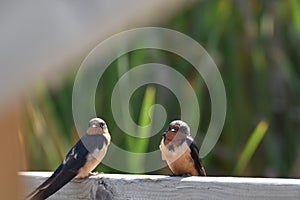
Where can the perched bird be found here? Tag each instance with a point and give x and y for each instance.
(87, 153)
(179, 150)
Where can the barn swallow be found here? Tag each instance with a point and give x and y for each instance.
(179, 150)
(87, 153)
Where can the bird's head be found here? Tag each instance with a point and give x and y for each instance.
(177, 128)
(97, 126)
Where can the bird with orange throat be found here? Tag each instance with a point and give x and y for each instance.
(179, 150)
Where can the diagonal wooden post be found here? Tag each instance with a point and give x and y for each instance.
(9, 152)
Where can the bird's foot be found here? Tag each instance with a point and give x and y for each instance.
(93, 174)
(182, 175)
(186, 175)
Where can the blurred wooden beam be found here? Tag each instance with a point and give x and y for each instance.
(43, 38)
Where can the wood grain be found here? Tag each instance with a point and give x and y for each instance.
(121, 186)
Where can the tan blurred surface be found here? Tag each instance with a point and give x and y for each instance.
(9, 152)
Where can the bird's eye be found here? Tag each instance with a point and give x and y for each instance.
(176, 128)
(102, 124)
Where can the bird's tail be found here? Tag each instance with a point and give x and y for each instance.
(58, 182)
(51, 185)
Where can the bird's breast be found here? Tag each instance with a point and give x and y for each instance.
(93, 160)
(178, 158)
(172, 152)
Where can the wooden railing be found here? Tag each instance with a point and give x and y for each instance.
(125, 186)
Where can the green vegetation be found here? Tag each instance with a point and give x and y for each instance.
(251, 146)
(255, 45)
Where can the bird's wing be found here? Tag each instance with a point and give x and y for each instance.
(195, 155)
(75, 159)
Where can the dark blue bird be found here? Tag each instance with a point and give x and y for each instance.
(87, 153)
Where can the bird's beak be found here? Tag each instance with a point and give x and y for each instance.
(104, 127)
(164, 135)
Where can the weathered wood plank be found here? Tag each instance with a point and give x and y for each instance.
(121, 186)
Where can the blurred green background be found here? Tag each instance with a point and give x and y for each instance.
(255, 45)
